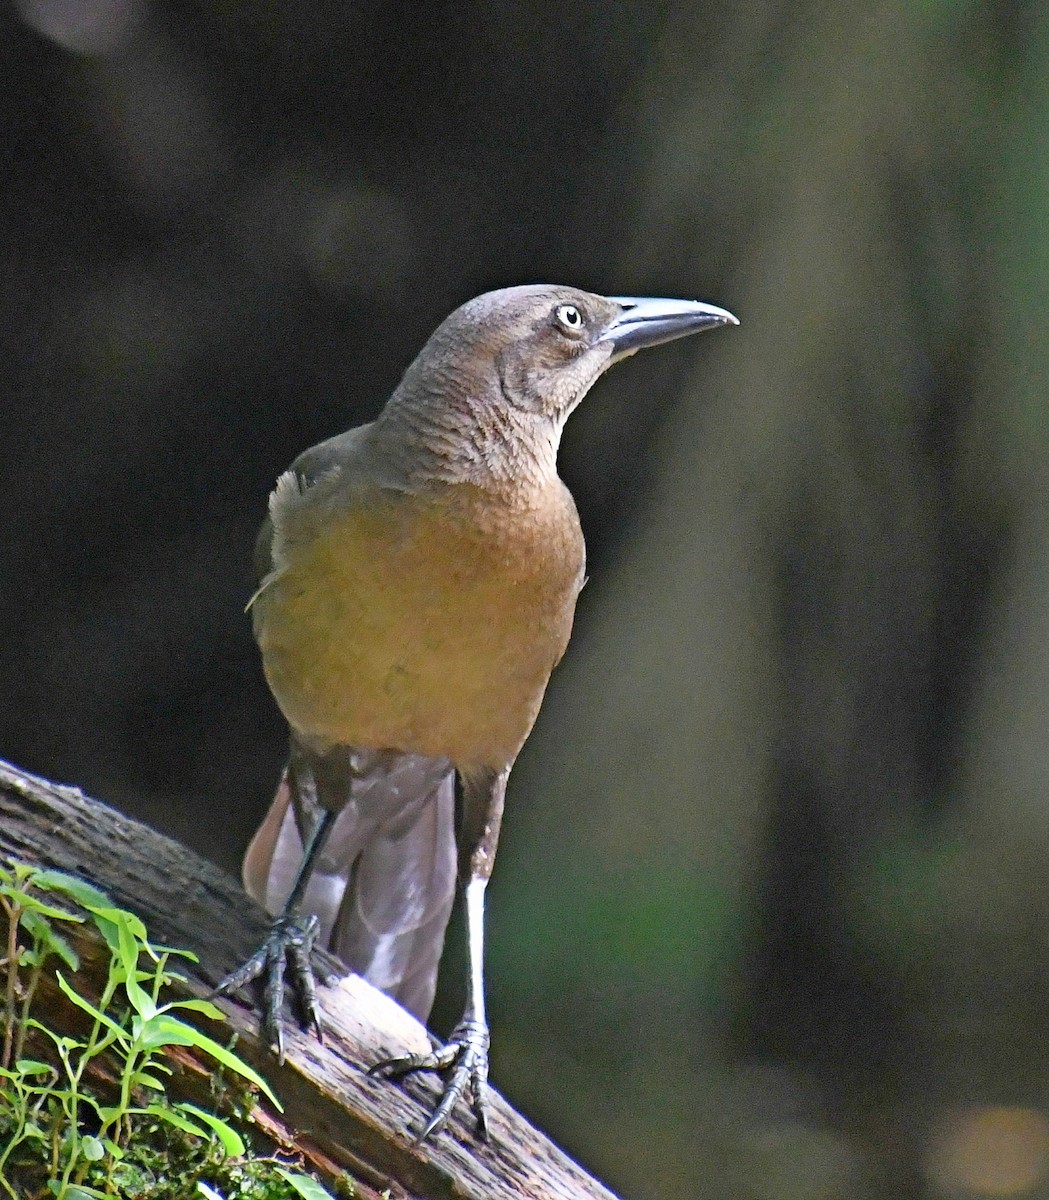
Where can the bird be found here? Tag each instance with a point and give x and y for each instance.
(417, 583)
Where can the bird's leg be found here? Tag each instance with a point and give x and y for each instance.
(465, 1055)
(288, 943)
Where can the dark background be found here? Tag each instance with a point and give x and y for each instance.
(770, 919)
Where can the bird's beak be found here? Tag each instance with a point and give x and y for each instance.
(644, 322)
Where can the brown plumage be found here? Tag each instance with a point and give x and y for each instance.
(418, 581)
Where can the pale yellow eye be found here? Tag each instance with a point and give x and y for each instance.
(569, 317)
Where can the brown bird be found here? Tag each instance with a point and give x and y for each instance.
(417, 583)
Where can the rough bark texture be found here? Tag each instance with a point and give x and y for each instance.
(335, 1115)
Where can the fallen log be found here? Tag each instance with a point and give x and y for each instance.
(335, 1115)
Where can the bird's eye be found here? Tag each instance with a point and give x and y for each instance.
(569, 317)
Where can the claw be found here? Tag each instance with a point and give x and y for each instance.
(465, 1055)
(303, 979)
(479, 1104)
(288, 943)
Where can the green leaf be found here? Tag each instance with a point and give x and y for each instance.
(140, 1000)
(173, 1117)
(164, 1030)
(62, 1041)
(149, 1081)
(88, 1007)
(50, 942)
(133, 929)
(131, 933)
(32, 904)
(107, 929)
(188, 955)
(174, 1032)
(229, 1138)
(91, 1148)
(306, 1186)
(120, 929)
(202, 1006)
(84, 893)
(32, 1066)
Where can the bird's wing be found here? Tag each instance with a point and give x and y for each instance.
(325, 463)
(384, 885)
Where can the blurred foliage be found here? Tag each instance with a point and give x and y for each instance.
(770, 918)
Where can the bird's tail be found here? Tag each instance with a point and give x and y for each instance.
(384, 885)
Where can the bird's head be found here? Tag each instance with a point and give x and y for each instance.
(503, 372)
(544, 346)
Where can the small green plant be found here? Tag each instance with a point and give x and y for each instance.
(55, 1128)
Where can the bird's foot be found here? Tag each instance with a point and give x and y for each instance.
(288, 943)
(465, 1057)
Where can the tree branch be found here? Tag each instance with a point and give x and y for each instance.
(335, 1115)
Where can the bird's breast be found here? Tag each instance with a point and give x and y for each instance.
(422, 625)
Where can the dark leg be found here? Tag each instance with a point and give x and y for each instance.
(289, 942)
(465, 1056)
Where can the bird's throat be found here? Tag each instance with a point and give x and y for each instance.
(479, 441)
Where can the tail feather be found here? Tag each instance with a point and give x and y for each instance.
(396, 909)
(384, 886)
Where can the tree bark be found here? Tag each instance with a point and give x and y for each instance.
(334, 1114)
